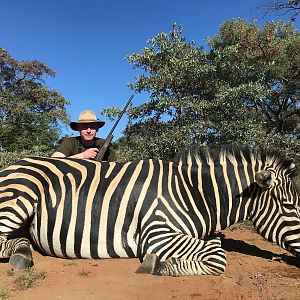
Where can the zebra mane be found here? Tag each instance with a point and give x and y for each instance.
(265, 156)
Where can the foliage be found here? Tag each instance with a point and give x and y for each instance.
(20, 280)
(29, 111)
(260, 76)
(3, 293)
(27, 278)
(243, 90)
(8, 158)
(84, 273)
(286, 6)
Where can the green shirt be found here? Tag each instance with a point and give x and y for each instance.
(72, 145)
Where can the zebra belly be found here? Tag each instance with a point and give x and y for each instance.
(79, 246)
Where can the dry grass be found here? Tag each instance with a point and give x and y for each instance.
(12, 281)
(84, 273)
(27, 278)
(246, 225)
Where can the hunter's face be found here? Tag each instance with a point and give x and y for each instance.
(88, 131)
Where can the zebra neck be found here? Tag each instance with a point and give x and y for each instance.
(220, 199)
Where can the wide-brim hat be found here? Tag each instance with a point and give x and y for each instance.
(86, 116)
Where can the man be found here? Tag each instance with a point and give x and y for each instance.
(86, 145)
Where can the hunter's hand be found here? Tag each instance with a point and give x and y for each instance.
(89, 153)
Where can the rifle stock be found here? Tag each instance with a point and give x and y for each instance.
(110, 136)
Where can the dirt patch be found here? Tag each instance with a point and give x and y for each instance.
(256, 270)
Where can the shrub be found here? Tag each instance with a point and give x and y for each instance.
(8, 158)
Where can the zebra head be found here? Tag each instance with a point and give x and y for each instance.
(276, 210)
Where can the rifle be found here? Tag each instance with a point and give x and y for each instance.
(110, 136)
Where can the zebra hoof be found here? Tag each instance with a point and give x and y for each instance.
(21, 259)
(148, 265)
(19, 262)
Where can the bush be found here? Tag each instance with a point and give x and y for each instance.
(8, 158)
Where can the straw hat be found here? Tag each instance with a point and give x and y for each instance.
(86, 116)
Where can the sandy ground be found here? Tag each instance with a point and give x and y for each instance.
(256, 270)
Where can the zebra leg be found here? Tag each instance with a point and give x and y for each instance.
(207, 258)
(22, 256)
(18, 251)
(14, 243)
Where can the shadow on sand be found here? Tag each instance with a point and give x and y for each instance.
(231, 245)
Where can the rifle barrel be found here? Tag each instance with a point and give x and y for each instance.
(120, 115)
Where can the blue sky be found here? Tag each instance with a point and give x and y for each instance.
(86, 41)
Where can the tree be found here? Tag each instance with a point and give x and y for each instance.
(260, 71)
(29, 111)
(285, 6)
(179, 74)
(244, 90)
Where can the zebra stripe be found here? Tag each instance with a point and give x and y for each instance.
(166, 213)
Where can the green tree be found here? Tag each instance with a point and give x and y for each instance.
(260, 75)
(244, 90)
(176, 75)
(30, 112)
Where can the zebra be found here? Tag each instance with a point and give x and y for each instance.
(166, 213)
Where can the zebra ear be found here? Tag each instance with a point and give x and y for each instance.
(264, 178)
